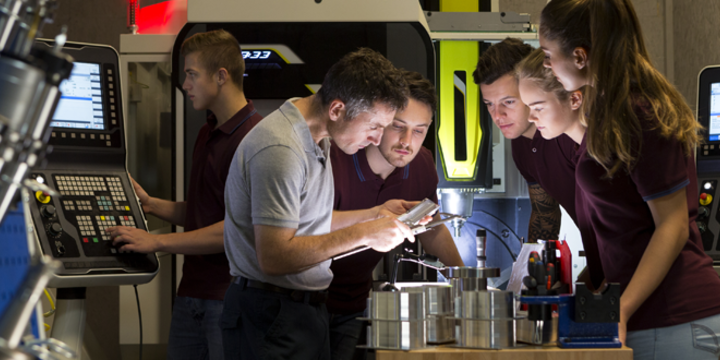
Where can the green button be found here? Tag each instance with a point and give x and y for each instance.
(95, 240)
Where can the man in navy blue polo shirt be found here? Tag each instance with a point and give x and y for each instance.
(399, 168)
(214, 70)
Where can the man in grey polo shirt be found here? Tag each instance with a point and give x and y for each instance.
(280, 229)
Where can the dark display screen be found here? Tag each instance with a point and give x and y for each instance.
(81, 105)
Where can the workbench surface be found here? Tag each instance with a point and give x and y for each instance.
(523, 353)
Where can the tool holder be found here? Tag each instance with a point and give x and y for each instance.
(585, 320)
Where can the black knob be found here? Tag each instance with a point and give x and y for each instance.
(48, 211)
(55, 229)
(702, 227)
(703, 212)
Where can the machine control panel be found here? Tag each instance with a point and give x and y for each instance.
(708, 160)
(72, 226)
(708, 226)
(87, 172)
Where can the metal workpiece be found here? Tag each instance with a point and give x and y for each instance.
(486, 305)
(438, 299)
(408, 304)
(455, 272)
(440, 329)
(537, 332)
(461, 285)
(440, 322)
(466, 278)
(396, 335)
(478, 21)
(486, 334)
(485, 319)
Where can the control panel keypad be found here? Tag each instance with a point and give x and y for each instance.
(68, 205)
(127, 221)
(86, 226)
(93, 204)
(104, 203)
(84, 205)
(80, 185)
(116, 189)
(105, 222)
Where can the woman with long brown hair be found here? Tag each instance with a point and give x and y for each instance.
(636, 179)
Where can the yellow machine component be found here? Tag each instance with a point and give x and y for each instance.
(705, 200)
(460, 5)
(42, 197)
(459, 133)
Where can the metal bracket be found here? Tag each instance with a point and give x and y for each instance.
(478, 21)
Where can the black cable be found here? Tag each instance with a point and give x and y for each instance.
(137, 298)
(514, 257)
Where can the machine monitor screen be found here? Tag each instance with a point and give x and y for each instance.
(81, 105)
(714, 120)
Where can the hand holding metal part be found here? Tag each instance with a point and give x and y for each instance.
(413, 218)
(427, 260)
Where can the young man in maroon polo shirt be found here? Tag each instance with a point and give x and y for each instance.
(399, 168)
(546, 165)
(214, 70)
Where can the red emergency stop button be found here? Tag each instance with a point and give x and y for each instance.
(705, 199)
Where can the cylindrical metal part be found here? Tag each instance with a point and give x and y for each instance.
(488, 305)
(440, 329)
(11, 12)
(480, 241)
(487, 334)
(400, 335)
(438, 299)
(398, 305)
(19, 85)
(440, 323)
(132, 11)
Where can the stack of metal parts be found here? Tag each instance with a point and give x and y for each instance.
(440, 314)
(397, 319)
(465, 278)
(486, 319)
(29, 80)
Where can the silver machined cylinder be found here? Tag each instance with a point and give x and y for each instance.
(440, 329)
(485, 319)
(400, 335)
(438, 299)
(487, 334)
(398, 305)
(398, 319)
(440, 323)
(487, 305)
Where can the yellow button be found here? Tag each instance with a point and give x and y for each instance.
(102, 218)
(42, 197)
(127, 208)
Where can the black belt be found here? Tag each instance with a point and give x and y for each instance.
(308, 297)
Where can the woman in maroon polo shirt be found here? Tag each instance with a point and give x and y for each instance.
(636, 179)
